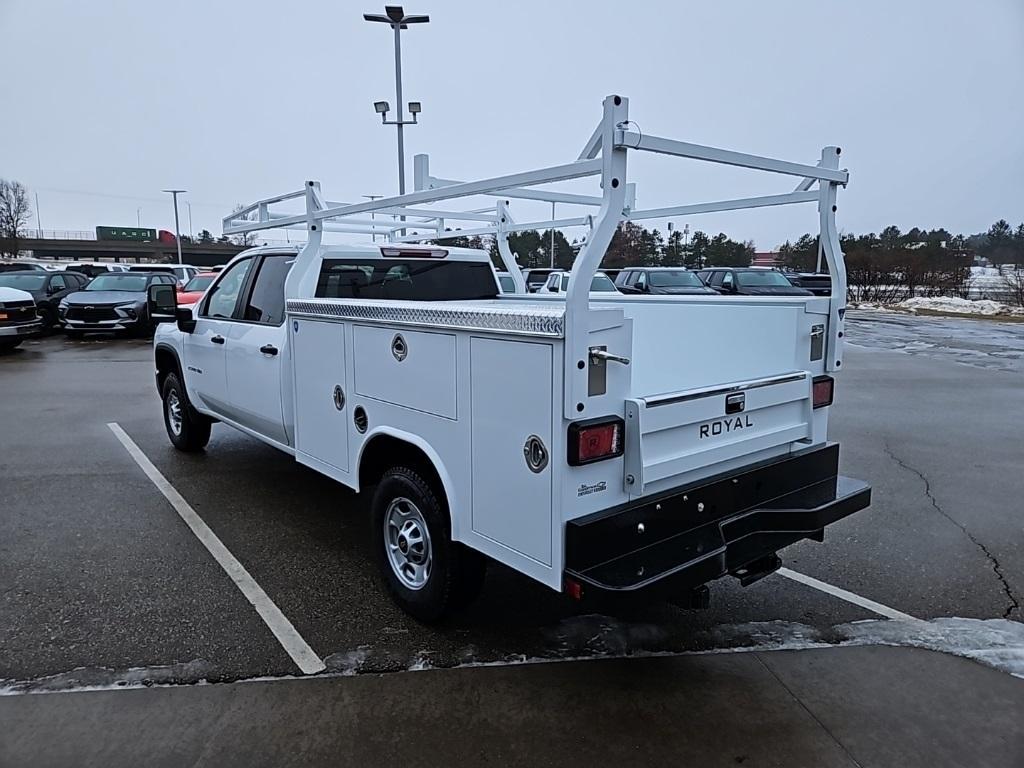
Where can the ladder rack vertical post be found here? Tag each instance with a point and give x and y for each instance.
(828, 244)
(577, 298)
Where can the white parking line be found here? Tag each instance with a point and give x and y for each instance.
(842, 594)
(304, 656)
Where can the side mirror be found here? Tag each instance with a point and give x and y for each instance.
(52, 289)
(161, 302)
(185, 318)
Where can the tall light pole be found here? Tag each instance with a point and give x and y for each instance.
(552, 235)
(191, 234)
(138, 217)
(394, 16)
(177, 227)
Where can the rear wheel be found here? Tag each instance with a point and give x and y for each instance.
(424, 571)
(8, 344)
(188, 431)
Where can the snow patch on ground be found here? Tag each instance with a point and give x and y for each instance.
(957, 305)
(948, 304)
(347, 663)
(103, 679)
(997, 643)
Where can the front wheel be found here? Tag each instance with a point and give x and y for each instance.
(424, 571)
(48, 318)
(9, 344)
(189, 431)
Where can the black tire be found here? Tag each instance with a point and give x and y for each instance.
(191, 432)
(73, 335)
(6, 345)
(49, 318)
(144, 328)
(455, 574)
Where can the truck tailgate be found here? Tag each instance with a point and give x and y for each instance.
(670, 435)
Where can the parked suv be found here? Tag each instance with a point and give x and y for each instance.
(18, 319)
(818, 283)
(536, 278)
(91, 269)
(182, 272)
(112, 302)
(558, 282)
(750, 281)
(661, 280)
(47, 289)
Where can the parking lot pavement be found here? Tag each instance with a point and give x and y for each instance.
(841, 707)
(100, 572)
(979, 342)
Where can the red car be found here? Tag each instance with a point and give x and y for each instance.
(195, 288)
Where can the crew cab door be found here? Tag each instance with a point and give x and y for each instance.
(255, 350)
(205, 374)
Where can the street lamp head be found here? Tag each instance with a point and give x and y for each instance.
(415, 107)
(395, 16)
(381, 107)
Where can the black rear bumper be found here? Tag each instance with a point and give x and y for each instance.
(733, 523)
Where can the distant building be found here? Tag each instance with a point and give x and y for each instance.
(765, 259)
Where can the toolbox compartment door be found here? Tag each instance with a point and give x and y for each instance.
(321, 426)
(511, 402)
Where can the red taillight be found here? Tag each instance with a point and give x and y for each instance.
(821, 391)
(573, 589)
(595, 440)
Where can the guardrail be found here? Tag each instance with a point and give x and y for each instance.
(56, 234)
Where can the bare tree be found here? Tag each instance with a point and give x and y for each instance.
(1014, 282)
(245, 238)
(15, 212)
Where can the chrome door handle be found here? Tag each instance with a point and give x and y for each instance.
(217, 339)
(601, 354)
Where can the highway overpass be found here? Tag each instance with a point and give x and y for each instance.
(199, 254)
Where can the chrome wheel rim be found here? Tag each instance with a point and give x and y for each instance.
(407, 541)
(174, 412)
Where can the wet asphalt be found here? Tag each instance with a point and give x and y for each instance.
(99, 576)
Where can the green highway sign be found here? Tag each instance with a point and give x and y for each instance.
(137, 234)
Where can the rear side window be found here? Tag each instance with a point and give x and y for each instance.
(406, 279)
(266, 302)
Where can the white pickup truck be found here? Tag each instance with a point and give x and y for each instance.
(600, 444)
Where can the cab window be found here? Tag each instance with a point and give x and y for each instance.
(222, 297)
(266, 301)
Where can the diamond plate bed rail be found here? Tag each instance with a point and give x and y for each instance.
(519, 320)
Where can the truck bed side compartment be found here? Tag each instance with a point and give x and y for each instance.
(415, 369)
(321, 427)
(512, 401)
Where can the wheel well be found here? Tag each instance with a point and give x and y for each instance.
(166, 363)
(385, 451)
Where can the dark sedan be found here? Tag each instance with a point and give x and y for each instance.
(750, 281)
(47, 288)
(115, 301)
(661, 280)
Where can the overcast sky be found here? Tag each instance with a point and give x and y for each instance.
(108, 102)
